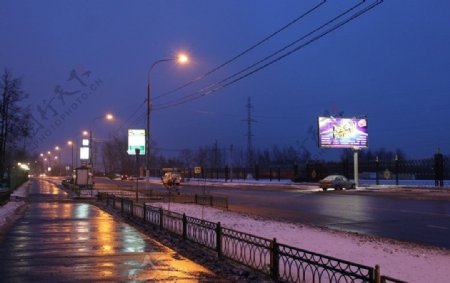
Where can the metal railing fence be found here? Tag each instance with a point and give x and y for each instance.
(281, 262)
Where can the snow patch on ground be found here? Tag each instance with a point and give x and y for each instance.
(404, 261)
(8, 211)
(21, 192)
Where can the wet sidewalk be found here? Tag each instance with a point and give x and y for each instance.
(78, 242)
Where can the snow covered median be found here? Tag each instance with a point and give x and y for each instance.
(404, 261)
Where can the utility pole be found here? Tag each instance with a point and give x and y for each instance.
(249, 121)
(216, 159)
(231, 162)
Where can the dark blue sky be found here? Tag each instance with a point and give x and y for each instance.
(391, 64)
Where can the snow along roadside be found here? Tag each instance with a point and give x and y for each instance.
(401, 260)
(10, 209)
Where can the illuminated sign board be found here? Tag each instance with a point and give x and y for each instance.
(84, 153)
(343, 132)
(85, 142)
(136, 139)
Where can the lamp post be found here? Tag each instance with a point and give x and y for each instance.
(58, 158)
(50, 164)
(181, 59)
(43, 163)
(70, 143)
(108, 117)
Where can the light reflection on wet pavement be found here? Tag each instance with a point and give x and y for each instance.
(68, 242)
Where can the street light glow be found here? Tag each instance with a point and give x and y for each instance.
(85, 133)
(109, 116)
(69, 143)
(56, 148)
(183, 58)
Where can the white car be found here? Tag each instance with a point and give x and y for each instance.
(171, 178)
(338, 182)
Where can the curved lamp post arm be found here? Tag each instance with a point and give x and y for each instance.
(147, 132)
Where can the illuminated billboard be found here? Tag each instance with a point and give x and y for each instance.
(136, 139)
(336, 132)
(84, 153)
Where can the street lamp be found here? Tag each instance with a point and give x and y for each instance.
(58, 157)
(108, 117)
(181, 59)
(70, 143)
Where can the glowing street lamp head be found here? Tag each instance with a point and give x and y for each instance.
(56, 148)
(69, 142)
(183, 58)
(109, 116)
(41, 154)
(85, 133)
(49, 152)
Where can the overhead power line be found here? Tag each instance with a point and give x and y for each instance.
(243, 52)
(223, 83)
(127, 121)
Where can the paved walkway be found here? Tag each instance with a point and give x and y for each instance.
(71, 242)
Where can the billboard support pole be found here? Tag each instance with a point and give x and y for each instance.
(355, 166)
(137, 151)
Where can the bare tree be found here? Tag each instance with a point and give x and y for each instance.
(15, 123)
(115, 158)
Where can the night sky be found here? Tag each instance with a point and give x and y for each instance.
(81, 59)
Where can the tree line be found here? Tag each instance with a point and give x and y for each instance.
(116, 159)
(15, 126)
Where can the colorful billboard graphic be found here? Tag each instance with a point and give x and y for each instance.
(336, 132)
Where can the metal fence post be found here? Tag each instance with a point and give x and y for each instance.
(226, 173)
(114, 201)
(131, 207)
(377, 274)
(144, 209)
(274, 259)
(396, 169)
(439, 169)
(377, 168)
(161, 215)
(184, 226)
(219, 239)
(121, 205)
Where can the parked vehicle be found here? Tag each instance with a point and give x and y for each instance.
(338, 182)
(171, 178)
(68, 179)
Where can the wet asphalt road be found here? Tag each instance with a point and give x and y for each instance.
(58, 241)
(411, 220)
(393, 215)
